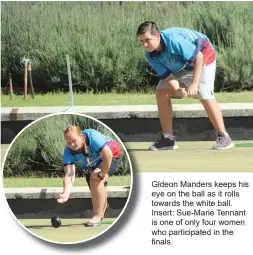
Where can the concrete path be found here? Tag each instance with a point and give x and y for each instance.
(127, 111)
(52, 193)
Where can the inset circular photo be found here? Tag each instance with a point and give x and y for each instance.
(67, 178)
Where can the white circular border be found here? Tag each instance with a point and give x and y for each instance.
(119, 140)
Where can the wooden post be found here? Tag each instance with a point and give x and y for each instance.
(10, 84)
(29, 70)
(25, 81)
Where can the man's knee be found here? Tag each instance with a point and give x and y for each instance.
(206, 94)
(163, 94)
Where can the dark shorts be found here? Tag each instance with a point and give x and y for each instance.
(112, 170)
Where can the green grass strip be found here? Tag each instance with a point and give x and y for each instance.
(62, 99)
(58, 182)
(244, 145)
(107, 222)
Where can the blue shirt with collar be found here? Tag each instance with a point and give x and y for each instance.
(180, 47)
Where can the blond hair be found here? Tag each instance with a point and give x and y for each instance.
(77, 130)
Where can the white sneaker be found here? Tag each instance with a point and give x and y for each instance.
(223, 142)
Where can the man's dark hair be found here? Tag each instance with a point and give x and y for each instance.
(147, 26)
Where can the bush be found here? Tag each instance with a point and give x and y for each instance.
(104, 51)
(40, 146)
(20, 155)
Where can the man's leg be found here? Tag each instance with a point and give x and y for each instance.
(165, 112)
(164, 105)
(213, 111)
(212, 108)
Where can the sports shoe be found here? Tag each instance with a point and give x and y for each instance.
(163, 144)
(223, 142)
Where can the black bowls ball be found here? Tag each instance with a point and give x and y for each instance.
(56, 221)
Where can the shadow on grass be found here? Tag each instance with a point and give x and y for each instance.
(68, 225)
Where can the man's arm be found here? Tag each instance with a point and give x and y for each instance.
(197, 68)
(198, 62)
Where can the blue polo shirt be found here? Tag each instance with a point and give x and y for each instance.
(180, 48)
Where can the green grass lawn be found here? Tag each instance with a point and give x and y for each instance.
(71, 230)
(61, 99)
(58, 182)
(192, 157)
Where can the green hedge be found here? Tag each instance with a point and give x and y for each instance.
(38, 150)
(104, 51)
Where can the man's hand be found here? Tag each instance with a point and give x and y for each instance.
(62, 198)
(193, 90)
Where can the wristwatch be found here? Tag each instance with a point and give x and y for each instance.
(100, 176)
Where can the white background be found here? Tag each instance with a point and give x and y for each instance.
(131, 234)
